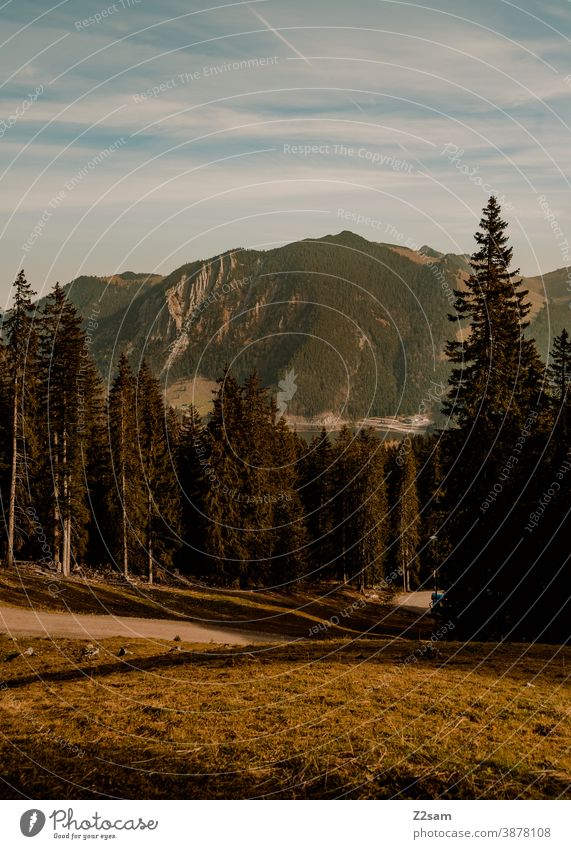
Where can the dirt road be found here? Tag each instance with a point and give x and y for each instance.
(419, 601)
(22, 621)
(30, 623)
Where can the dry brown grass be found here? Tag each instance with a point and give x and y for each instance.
(315, 719)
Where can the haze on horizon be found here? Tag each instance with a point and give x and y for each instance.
(136, 137)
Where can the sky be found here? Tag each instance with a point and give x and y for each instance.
(139, 136)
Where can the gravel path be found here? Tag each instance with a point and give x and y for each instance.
(31, 623)
(417, 601)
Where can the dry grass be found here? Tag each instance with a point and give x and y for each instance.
(315, 719)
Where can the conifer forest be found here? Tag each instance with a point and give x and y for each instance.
(100, 474)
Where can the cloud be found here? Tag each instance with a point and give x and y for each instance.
(398, 79)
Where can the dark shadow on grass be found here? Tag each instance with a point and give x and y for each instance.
(123, 772)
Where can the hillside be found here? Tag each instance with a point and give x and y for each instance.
(362, 324)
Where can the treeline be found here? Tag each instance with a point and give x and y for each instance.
(92, 478)
(95, 476)
(84, 475)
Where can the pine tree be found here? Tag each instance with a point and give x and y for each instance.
(158, 470)
(497, 383)
(289, 545)
(21, 356)
(128, 498)
(69, 396)
(407, 519)
(224, 546)
(497, 371)
(559, 371)
(192, 459)
(366, 520)
(316, 480)
(341, 506)
(252, 445)
(96, 454)
(359, 509)
(6, 412)
(432, 496)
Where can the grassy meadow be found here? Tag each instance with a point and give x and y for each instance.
(339, 717)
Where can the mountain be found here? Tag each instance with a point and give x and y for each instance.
(550, 295)
(358, 327)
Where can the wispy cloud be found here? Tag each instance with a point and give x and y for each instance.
(207, 101)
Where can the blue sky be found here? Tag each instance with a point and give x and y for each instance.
(414, 112)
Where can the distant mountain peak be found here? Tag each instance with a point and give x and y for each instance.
(358, 327)
(426, 250)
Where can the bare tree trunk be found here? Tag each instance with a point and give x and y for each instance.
(150, 535)
(67, 543)
(57, 512)
(13, 476)
(124, 512)
(66, 515)
(124, 493)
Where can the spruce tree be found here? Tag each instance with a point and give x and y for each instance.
(407, 520)
(158, 471)
(95, 450)
(252, 446)
(69, 397)
(495, 387)
(192, 459)
(496, 370)
(21, 358)
(372, 520)
(316, 481)
(5, 443)
(559, 371)
(341, 506)
(128, 501)
(224, 546)
(289, 545)
(359, 509)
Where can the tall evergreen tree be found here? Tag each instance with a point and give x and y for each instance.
(158, 464)
(128, 498)
(192, 459)
(254, 531)
(496, 374)
(559, 371)
(407, 520)
(70, 390)
(432, 495)
(289, 547)
(316, 468)
(5, 444)
(96, 453)
(224, 546)
(359, 509)
(341, 507)
(369, 522)
(21, 357)
(496, 387)
(252, 444)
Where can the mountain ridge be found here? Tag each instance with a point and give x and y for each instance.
(363, 324)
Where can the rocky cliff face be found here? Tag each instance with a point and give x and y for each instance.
(362, 325)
